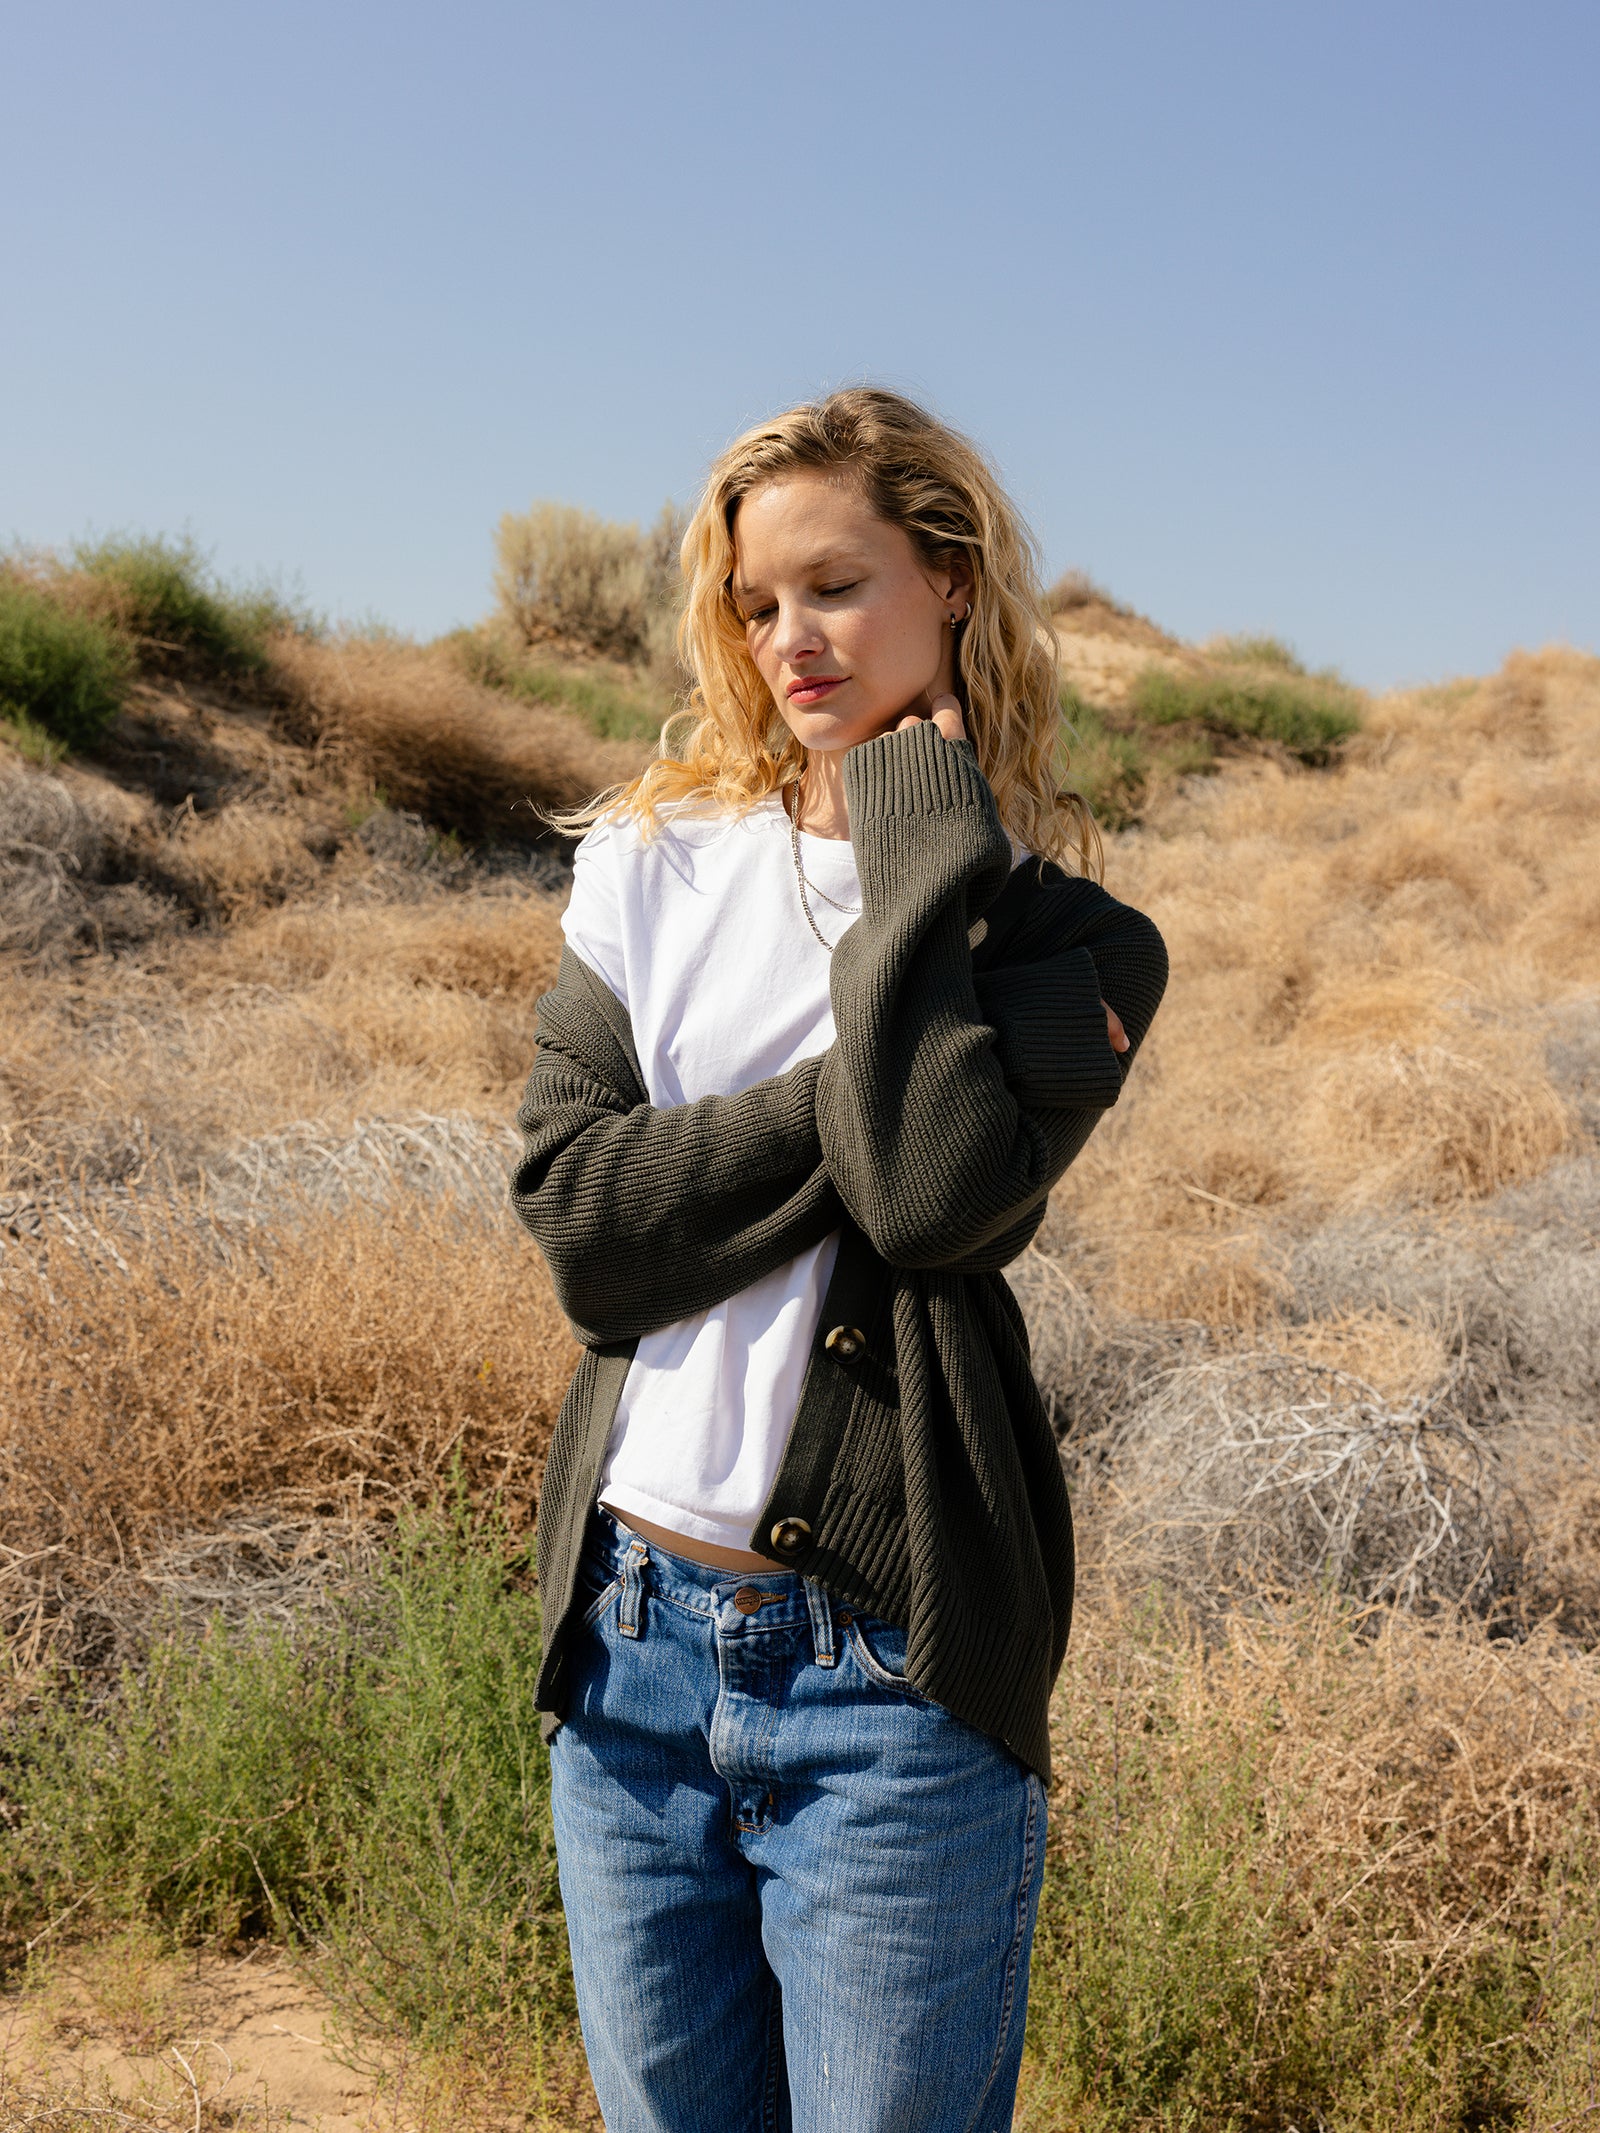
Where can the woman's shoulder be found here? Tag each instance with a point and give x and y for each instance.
(620, 841)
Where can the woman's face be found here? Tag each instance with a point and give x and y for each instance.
(847, 626)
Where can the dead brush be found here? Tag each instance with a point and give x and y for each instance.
(49, 846)
(310, 1167)
(328, 1012)
(411, 724)
(1377, 973)
(1316, 1864)
(157, 1375)
(280, 1564)
(1266, 1473)
(1093, 1367)
(563, 573)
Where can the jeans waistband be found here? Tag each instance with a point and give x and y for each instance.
(741, 1602)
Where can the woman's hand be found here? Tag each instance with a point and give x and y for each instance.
(946, 715)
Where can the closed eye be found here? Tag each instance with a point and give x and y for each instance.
(826, 592)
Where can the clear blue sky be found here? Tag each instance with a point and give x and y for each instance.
(1277, 315)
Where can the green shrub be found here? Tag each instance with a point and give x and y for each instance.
(376, 1789)
(1110, 767)
(61, 672)
(1114, 761)
(1256, 651)
(566, 573)
(160, 593)
(1231, 1938)
(36, 745)
(448, 1918)
(1152, 1938)
(1306, 713)
(614, 713)
(200, 1796)
(615, 710)
(1177, 1982)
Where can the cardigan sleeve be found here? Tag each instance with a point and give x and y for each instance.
(645, 1215)
(951, 1103)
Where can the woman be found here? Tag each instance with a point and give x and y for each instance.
(832, 1018)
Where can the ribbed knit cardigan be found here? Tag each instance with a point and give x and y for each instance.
(921, 1481)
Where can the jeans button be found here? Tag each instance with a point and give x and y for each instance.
(789, 1536)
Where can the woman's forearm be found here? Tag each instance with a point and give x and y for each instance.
(646, 1215)
(951, 1102)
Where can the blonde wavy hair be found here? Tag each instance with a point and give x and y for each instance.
(729, 744)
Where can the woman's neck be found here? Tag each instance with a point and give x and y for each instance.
(822, 812)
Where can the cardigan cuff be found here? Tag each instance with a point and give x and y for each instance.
(1051, 1036)
(917, 772)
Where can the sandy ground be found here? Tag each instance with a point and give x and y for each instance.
(218, 2042)
(1103, 654)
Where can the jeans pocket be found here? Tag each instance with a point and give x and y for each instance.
(880, 1651)
(601, 1601)
(598, 1586)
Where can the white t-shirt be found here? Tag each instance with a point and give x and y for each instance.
(701, 935)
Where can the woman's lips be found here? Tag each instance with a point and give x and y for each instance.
(813, 690)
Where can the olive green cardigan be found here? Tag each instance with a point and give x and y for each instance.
(921, 1481)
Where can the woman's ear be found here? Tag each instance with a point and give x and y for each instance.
(957, 574)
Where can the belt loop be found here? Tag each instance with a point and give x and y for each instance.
(821, 1623)
(630, 1615)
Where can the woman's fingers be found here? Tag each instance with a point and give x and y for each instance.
(946, 715)
(1115, 1030)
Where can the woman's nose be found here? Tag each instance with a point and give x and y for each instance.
(797, 635)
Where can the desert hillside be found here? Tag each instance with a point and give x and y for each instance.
(1318, 1312)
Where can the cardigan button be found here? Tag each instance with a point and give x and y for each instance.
(846, 1342)
(789, 1536)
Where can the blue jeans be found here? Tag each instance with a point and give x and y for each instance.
(800, 1896)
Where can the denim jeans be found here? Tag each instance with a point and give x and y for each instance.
(800, 1896)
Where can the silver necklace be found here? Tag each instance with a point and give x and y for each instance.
(850, 910)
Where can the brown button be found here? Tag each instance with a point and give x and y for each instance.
(846, 1342)
(748, 1600)
(790, 1535)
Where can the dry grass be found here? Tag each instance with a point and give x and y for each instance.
(1368, 963)
(1318, 1313)
(1300, 1870)
(1334, 1252)
(413, 725)
(229, 1154)
(161, 1372)
(327, 1013)
(1382, 1028)
(342, 1358)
